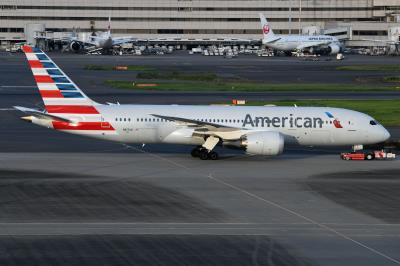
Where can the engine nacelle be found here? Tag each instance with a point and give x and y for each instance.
(263, 143)
(331, 49)
(334, 49)
(75, 46)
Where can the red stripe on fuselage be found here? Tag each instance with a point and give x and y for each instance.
(27, 49)
(102, 126)
(35, 64)
(51, 94)
(43, 79)
(71, 109)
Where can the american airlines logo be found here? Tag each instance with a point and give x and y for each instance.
(266, 29)
(336, 121)
(283, 122)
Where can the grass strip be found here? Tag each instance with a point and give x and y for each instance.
(245, 87)
(370, 68)
(395, 79)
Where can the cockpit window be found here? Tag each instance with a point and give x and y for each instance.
(373, 123)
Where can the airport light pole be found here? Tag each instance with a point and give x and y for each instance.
(300, 7)
(290, 16)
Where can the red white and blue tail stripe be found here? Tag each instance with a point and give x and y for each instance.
(59, 93)
(62, 97)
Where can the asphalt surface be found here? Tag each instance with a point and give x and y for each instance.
(69, 200)
(170, 209)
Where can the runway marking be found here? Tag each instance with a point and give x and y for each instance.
(283, 208)
(311, 221)
(305, 218)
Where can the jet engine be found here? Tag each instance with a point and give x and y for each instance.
(263, 143)
(334, 49)
(75, 46)
(331, 49)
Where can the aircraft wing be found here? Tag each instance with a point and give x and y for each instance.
(312, 44)
(74, 39)
(272, 40)
(94, 50)
(122, 40)
(41, 115)
(202, 128)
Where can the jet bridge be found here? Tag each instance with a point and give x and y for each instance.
(341, 33)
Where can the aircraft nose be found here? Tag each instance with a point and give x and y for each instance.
(385, 134)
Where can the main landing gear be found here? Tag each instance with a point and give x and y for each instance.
(205, 151)
(204, 154)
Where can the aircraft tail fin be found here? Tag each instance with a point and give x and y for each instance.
(268, 34)
(59, 93)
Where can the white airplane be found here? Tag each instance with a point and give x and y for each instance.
(103, 41)
(323, 44)
(257, 130)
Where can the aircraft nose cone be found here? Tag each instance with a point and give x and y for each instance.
(386, 134)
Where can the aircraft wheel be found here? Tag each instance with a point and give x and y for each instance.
(213, 155)
(203, 154)
(195, 152)
(369, 157)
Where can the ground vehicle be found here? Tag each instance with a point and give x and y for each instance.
(367, 155)
(384, 155)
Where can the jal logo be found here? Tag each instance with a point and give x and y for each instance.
(266, 29)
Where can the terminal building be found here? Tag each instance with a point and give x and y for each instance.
(353, 21)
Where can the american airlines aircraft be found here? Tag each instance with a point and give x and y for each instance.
(324, 44)
(257, 130)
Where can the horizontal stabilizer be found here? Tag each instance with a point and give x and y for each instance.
(41, 115)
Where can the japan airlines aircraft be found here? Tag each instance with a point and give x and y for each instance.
(323, 44)
(257, 130)
(104, 41)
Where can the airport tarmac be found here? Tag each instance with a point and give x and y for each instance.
(69, 200)
(169, 209)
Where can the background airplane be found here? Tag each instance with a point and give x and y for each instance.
(100, 41)
(323, 44)
(257, 130)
